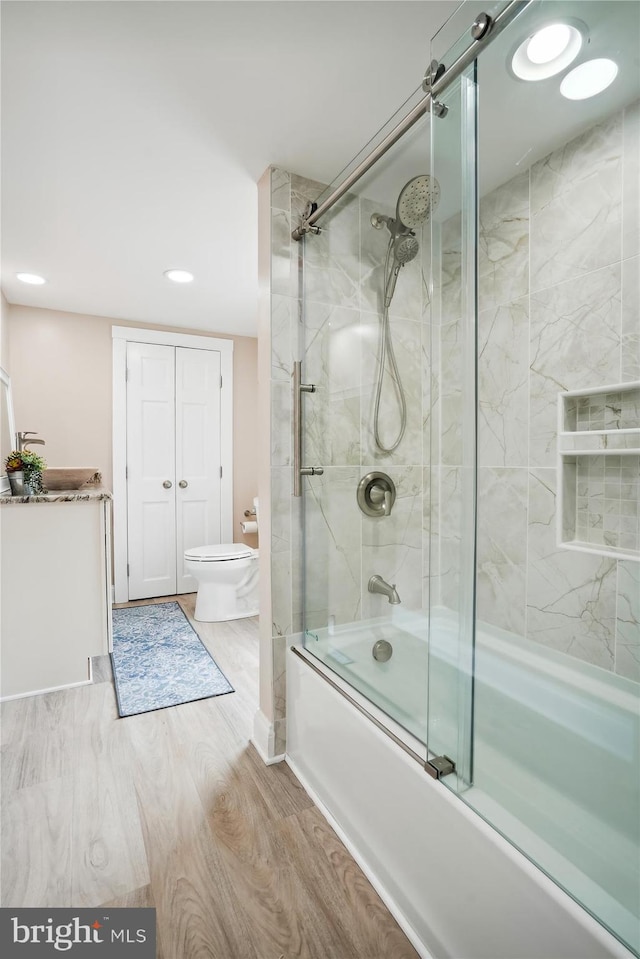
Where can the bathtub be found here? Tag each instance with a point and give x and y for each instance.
(554, 744)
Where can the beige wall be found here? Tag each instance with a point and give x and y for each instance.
(6, 439)
(61, 379)
(4, 333)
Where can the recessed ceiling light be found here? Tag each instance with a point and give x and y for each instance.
(179, 276)
(32, 278)
(589, 78)
(549, 43)
(547, 51)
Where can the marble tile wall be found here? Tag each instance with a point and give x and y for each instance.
(340, 281)
(339, 343)
(608, 493)
(285, 509)
(344, 272)
(559, 298)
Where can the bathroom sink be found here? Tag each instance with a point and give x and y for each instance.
(70, 477)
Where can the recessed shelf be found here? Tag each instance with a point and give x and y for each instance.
(634, 451)
(599, 470)
(614, 552)
(595, 442)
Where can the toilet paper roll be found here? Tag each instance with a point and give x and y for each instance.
(251, 527)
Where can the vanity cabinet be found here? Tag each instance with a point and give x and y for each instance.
(56, 602)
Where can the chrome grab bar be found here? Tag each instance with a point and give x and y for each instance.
(298, 470)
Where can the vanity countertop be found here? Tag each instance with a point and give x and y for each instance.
(94, 493)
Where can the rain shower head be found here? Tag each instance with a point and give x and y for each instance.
(417, 199)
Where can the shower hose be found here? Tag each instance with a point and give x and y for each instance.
(386, 349)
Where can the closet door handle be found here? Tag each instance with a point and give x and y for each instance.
(167, 484)
(183, 484)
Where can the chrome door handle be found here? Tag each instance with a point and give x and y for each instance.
(298, 470)
(183, 484)
(167, 484)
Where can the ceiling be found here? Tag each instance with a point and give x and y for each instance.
(134, 134)
(519, 122)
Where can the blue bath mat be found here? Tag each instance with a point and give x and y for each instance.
(159, 660)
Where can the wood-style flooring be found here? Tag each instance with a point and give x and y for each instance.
(175, 809)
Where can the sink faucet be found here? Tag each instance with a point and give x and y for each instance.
(378, 585)
(23, 442)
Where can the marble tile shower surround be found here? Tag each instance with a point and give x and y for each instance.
(342, 284)
(575, 343)
(576, 206)
(607, 498)
(571, 597)
(631, 183)
(341, 350)
(501, 582)
(559, 299)
(630, 326)
(503, 249)
(503, 384)
(617, 410)
(627, 619)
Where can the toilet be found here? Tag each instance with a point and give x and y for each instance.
(227, 577)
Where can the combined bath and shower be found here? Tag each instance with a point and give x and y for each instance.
(417, 199)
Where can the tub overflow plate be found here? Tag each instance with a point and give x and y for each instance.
(382, 651)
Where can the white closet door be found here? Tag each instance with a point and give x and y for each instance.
(198, 520)
(151, 494)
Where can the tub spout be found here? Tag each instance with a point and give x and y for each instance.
(378, 585)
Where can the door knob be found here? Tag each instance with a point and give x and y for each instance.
(167, 484)
(183, 484)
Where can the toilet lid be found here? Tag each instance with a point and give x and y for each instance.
(223, 551)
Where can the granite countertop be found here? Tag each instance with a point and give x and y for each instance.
(93, 493)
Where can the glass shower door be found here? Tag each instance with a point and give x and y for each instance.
(453, 440)
(365, 545)
(551, 574)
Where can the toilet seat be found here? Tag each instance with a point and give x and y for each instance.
(220, 553)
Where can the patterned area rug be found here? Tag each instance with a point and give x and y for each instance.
(159, 661)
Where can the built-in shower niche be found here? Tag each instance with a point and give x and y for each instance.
(599, 470)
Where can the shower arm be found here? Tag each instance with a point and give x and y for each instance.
(484, 30)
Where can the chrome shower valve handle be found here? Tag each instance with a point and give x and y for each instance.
(376, 494)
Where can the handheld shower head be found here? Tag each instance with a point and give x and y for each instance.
(418, 197)
(405, 249)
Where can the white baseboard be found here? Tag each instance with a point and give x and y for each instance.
(40, 692)
(389, 902)
(264, 739)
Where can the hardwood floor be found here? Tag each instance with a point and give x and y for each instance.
(175, 809)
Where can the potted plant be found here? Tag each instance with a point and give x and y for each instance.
(24, 469)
